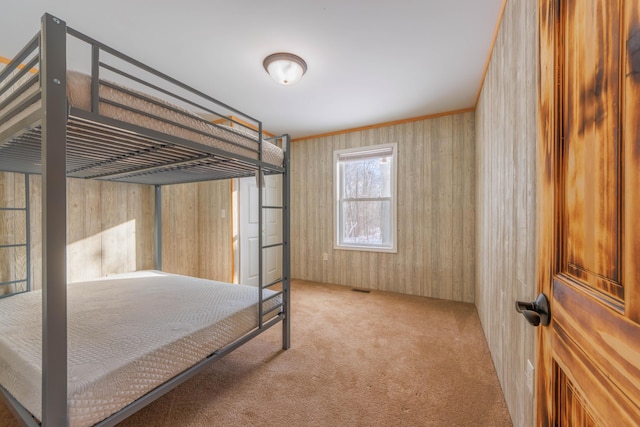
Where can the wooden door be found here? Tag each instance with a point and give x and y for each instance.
(589, 212)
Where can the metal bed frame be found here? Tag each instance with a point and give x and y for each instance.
(26, 244)
(48, 140)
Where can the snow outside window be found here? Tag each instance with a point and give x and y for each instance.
(365, 198)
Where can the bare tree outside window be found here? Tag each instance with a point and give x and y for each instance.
(365, 197)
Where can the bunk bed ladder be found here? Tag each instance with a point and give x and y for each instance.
(284, 293)
(26, 281)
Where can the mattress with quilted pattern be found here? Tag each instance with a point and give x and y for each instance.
(127, 334)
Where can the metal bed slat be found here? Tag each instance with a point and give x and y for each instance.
(204, 161)
(148, 169)
(81, 115)
(109, 138)
(106, 160)
(79, 141)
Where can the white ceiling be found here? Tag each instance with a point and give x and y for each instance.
(370, 61)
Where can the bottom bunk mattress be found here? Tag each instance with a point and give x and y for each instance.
(127, 334)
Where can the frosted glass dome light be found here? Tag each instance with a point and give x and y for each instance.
(285, 68)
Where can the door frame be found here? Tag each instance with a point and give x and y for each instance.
(548, 171)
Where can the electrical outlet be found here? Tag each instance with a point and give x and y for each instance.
(223, 213)
(325, 256)
(530, 376)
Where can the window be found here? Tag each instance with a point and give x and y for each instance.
(365, 198)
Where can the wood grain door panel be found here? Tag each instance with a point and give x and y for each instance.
(589, 212)
(598, 349)
(631, 150)
(590, 100)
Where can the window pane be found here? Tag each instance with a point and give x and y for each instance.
(366, 223)
(365, 201)
(366, 178)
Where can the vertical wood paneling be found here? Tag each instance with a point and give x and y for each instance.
(457, 215)
(469, 214)
(110, 227)
(196, 239)
(214, 230)
(77, 232)
(141, 206)
(179, 229)
(90, 243)
(35, 197)
(117, 227)
(505, 202)
(428, 230)
(435, 211)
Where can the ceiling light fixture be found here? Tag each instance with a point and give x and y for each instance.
(285, 68)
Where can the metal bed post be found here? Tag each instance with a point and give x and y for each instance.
(53, 82)
(158, 224)
(260, 248)
(27, 219)
(260, 186)
(286, 248)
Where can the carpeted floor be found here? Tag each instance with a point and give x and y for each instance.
(357, 359)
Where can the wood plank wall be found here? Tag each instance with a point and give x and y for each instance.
(197, 239)
(110, 227)
(436, 216)
(506, 119)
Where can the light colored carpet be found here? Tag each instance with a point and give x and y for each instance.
(357, 359)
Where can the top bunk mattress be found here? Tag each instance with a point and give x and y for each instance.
(127, 334)
(120, 103)
(141, 110)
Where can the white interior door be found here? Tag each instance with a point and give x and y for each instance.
(273, 221)
(248, 219)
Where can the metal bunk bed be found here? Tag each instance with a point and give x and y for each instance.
(42, 132)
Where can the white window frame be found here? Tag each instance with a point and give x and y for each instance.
(391, 153)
